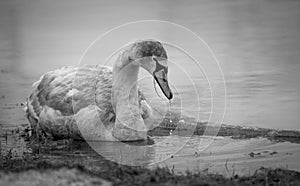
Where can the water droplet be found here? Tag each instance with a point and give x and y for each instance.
(170, 114)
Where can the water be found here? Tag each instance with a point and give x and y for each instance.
(224, 155)
(256, 42)
(227, 156)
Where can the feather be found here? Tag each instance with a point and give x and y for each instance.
(61, 94)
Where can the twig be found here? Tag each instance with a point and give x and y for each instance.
(226, 165)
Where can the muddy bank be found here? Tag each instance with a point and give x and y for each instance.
(74, 162)
(45, 171)
(61, 176)
(24, 160)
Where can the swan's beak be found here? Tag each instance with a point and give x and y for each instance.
(160, 75)
(164, 85)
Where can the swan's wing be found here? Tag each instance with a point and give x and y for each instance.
(146, 110)
(69, 89)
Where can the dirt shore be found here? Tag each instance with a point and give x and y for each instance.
(25, 161)
(58, 163)
(43, 171)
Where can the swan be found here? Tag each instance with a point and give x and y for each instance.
(94, 102)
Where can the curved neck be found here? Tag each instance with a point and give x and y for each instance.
(125, 84)
(125, 89)
(129, 124)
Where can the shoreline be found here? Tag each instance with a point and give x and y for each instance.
(55, 158)
(75, 169)
(184, 125)
(61, 161)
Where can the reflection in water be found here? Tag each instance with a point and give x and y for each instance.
(175, 151)
(191, 156)
(144, 153)
(123, 153)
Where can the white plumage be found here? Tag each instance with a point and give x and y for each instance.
(96, 102)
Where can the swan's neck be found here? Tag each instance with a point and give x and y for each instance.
(129, 124)
(125, 89)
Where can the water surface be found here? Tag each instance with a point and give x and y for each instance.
(256, 42)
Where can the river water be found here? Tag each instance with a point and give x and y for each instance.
(255, 42)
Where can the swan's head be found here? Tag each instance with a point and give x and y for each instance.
(152, 56)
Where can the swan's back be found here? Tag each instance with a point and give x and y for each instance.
(85, 85)
(64, 92)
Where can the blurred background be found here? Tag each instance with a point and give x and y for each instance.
(256, 42)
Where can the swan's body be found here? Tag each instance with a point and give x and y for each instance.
(96, 102)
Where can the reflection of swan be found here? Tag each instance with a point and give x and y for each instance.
(122, 153)
(103, 104)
